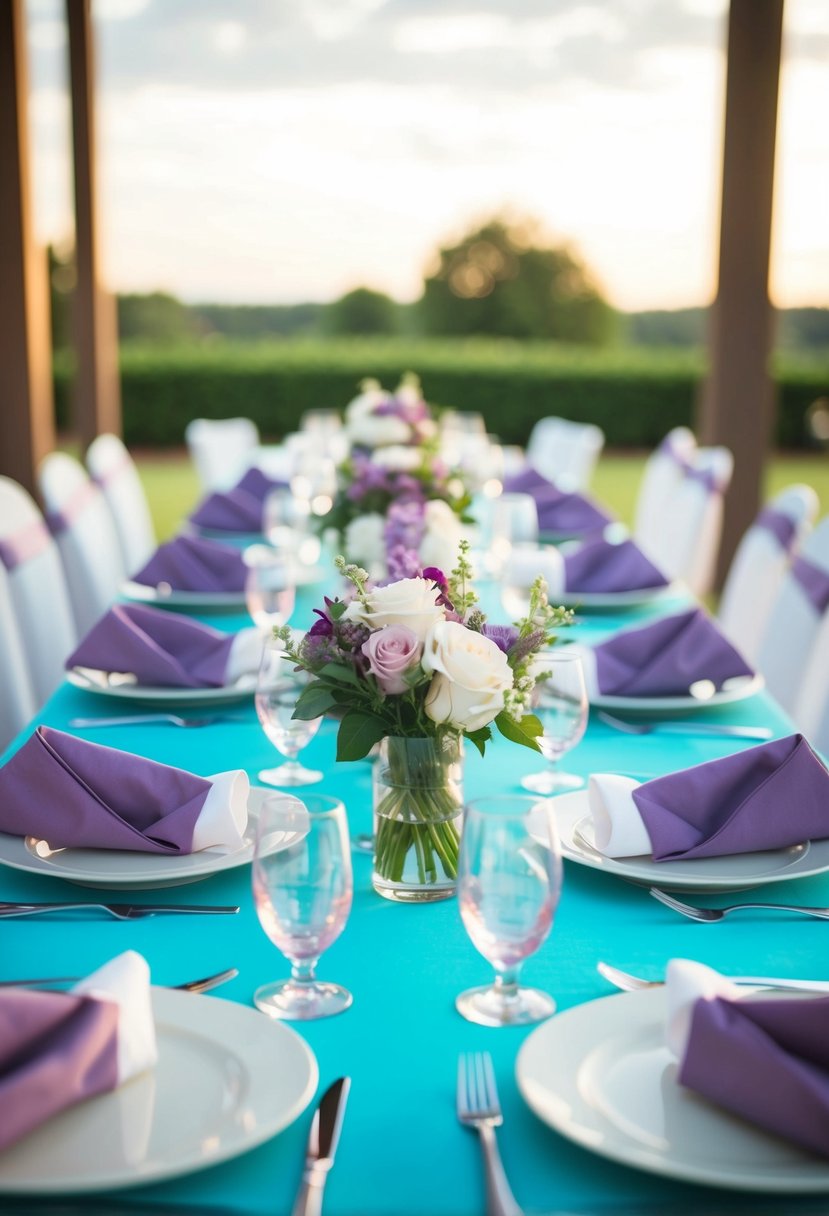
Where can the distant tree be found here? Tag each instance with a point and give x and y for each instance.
(362, 311)
(252, 322)
(502, 279)
(158, 318)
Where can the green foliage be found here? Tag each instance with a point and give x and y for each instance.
(525, 732)
(362, 311)
(157, 318)
(500, 280)
(358, 734)
(253, 322)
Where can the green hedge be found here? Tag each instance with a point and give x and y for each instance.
(634, 395)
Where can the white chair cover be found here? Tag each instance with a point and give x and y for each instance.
(793, 649)
(111, 467)
(17, 701)
(760, 564)
(86, 538)
(663, 474)
(37, 590)
(565, 452)
(221, 449)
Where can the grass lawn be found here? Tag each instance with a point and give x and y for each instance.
(172, 487)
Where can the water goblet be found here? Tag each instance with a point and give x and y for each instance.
(286, 521)
(560, 703)
(509, 882)
(269, 586)
(303, 897)
(277, 691)
(514, 522)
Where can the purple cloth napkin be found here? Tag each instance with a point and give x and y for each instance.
(572, 514)
(665, 658)
(158, 647)
(75, 794)
(189, 563)
(56, 1048)
(598, 565)
(239, 509)
(766, 1061)
(768, 797)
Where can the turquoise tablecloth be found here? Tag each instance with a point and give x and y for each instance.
(402, 1150)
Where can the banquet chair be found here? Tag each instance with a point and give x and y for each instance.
(221, 449)
(565, 452)
(794, 648)
(112, 468)
(759, 566)
(687, 541)
(79, 519)
(663, 473)
(37, 589)
(17, 702)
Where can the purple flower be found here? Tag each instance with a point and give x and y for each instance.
(402, 563)
(504, 636)
(439, 579)
(322, 628)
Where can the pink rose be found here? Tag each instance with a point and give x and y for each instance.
(391, 652)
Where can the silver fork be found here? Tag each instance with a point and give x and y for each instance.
(141, 719)
(709, 915)
(635, 983)
(687, 727)
(119, 911)
(202, 985)
(478, 1107)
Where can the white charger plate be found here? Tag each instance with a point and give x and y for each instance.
(135, 871)
(730, 873)
(736, 689)
(601, 1075)
(227, 1079)
(123, 687)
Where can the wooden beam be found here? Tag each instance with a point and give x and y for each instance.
(97, 390)
(27, 426)
(737, 404)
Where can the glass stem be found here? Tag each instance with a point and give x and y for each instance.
(302, 972)
(506, 983)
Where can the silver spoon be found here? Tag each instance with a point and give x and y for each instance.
(710, 915)
(635, 983)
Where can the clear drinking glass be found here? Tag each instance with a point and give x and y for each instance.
(269, 586)
(560, 703)
(286, 521)
(514, 522)
(303, 896)
(277, 690)
(509, 882)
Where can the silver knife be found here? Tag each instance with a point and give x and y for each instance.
(119, 911)
(322, 1146)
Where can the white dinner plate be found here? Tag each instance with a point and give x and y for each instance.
(227, 1079)
(601, 1075)
(123, 687)
(730, 873)
(612, 601)
(136, 871)
(736, 689)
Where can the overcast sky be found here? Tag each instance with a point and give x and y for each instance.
(285, 150)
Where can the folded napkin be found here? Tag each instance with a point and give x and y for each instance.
(75, 794)
(189, 563)
(58, 1048)
(601, 565)
(768, 797)
(662, 659)
(558, 510)
(162, 648)
(239, 509)
(765, 1059)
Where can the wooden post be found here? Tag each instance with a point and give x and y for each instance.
(737, 404)
(27, 425)
(97, 395)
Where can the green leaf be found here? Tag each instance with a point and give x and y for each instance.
(336, 609)
(479, 737)
(339, 672)
(357, 735)
(524, 732)
(314, 700)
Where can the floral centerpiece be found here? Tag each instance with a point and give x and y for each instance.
(415, 667)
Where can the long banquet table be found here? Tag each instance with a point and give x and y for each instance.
(402, 1149)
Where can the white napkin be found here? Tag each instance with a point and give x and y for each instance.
(618, 828)
(685, 983)
(244, 656)
(125, 980)
(526, 562)
(223, 818)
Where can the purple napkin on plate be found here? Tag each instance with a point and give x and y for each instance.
(559, 511)
(190, 563)
(59, 1048)
(765, 1060)
(601, 566)
(239, 509)
(768, 797)
(665, 658)
(158, 647)
(75, 794)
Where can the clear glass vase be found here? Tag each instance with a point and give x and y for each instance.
(418, 803)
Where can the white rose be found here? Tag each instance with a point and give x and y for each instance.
(364, 543)
(442, 536)
(471, 675)
(409, 601)
(366, 402)
(396, 456)
(371, 431)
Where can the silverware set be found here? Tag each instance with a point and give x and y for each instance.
(118, 911)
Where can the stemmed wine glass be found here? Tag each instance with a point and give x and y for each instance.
(303, 897)
(269, 586)
(509, 882)
(277, 690)
(560, 703)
